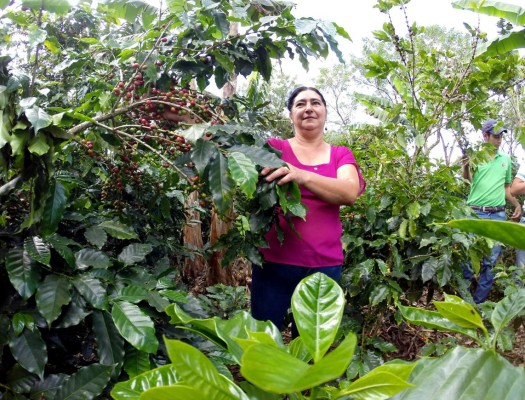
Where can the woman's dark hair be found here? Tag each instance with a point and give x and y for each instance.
(296, 91)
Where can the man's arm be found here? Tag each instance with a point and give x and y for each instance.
(517, 206)
(465, 169)
(518, 187)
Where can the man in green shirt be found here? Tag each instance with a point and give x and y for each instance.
(488, 194)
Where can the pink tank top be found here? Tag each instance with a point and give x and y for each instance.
(319, 241)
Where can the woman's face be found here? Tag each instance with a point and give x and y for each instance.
(308, 111)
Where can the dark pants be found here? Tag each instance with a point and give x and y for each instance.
(273, 285)
(486, 276)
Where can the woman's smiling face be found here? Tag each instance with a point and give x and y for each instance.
(308, 111)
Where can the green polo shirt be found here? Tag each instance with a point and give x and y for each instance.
(488, 182)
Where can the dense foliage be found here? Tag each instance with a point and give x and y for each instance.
(117, 168)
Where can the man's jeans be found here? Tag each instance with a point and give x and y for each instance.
(486, 277)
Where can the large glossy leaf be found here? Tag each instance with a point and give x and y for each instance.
(466, 374)
(511, 12)
(118, 230)
(54, 208)
(135, 326)
(136, 362)
(503, 44)
(459, 312)
(61, 246)
(19, 379)
(97, 236)
(23, 272)
(133, 388)
(510, 233)
(92, 290)
(38, 118)
(86, 258)
(203, 152)
(48, 387)
(52, 295)
(221, 184)
(134, 253)
(317, 305)
(110, 345)
(197, 371)
(507, 309)
(243, 173)
(224, 332)
(87, 383)
(381, 383)
(259, 155)
(75, 313)
(38, 250)
(433, 320)
(174, 392)
(29, 350)
(277, 371)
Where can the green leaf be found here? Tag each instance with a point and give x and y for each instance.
(277, 371)
(243, 173)
(87, 383)
(221, 184)
(54, 6)
(54, 208)
(23, 272)
(133, 293)
(136, 362)
(466, 374)
(110, 345)
(96, 236)
(317, 306)
(118, 230)
(52, 295)
(134, 387)
(510, 233)
(135, 326)
(48, 388)
(39, 145)
(29, 350)
(197, 371)
(382, 382)
(92, 290)
(414, 210)
(38, 118)
(305, 26)
(134, 253)
(174, 392)
(38, 250)
(61, 246)
(433, 320)
(511, 12)
(224, 332)
(507, 309)
(258, 155)
(459, 312)
(203, 151)
(36, 36)
(86, 258)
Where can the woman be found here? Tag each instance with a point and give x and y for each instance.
(328, 177)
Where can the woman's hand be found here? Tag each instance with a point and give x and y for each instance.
(284, 174)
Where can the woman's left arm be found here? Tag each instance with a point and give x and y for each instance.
(342, 190)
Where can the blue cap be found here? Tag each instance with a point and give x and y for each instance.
(489, 125)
